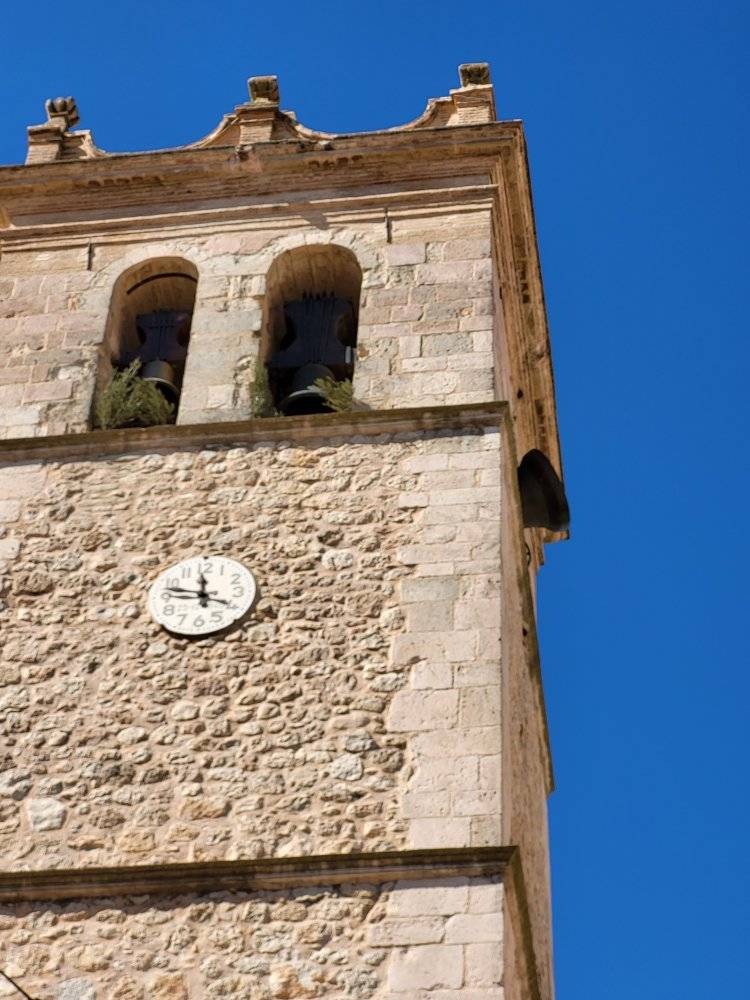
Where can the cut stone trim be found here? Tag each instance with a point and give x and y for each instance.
(458, 197)
(96, 444)
(261, 120)
(254, 875)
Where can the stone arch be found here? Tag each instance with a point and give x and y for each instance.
(149, 318)
(310, 319)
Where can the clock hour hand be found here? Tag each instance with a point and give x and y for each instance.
(202, 593)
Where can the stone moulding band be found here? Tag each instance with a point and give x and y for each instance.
(24, 236)
(260, 874)
(292, 430)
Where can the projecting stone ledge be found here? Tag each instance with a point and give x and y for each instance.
(261, 120)
(257, 874)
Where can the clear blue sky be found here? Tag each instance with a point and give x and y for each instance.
(636, 116)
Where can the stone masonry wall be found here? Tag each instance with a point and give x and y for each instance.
(425, 334)
(416, 940)
(358, 707)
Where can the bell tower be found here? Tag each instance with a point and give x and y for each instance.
(279, 460)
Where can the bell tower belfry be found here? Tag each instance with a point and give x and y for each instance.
(278, 461)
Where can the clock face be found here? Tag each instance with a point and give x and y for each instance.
(201, 595)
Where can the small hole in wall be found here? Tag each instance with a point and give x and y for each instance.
(519, 394)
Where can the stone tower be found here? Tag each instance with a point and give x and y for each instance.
(343, 792)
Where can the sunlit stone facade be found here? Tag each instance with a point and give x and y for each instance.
(343, 795)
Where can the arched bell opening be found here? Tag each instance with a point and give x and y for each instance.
(149, 322)
(312, 308)
(543, 499)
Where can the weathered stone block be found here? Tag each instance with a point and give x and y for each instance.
(446, 831)
(426, 804)
(484, 963)
(429, 616)
(467, 249)
(45, 814)
(76, 989)
(473, 928)
(485, 898)
(449, 273)
(412, 711)
(415, 930)
(398, 254)
(432, 676)
(43, 391)
(427, 967)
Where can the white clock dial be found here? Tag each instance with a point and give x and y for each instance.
(201, 595)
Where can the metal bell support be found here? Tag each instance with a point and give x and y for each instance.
(163, 337)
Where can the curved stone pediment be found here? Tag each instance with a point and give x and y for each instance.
(261, 120)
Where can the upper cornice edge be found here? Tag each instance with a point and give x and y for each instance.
(260, 120)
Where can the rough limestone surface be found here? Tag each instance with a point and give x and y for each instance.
(425, 320)
(408, 940)
(45, 814)
(357, 707)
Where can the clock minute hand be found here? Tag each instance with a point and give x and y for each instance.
(193, 593)
(188, 595)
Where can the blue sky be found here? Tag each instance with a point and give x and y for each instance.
(636, 116)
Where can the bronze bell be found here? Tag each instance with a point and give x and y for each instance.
(163, 337)
(319, 338)
(543, 499)
(164, 377)
(304, 395)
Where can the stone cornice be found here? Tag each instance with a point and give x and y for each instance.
(329, 426)
(262, 874)
(138, 163)
(260, 119)
(190, 178)
(252, 213)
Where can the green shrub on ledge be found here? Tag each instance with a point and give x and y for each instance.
(338, 395)
(129, 401)
(261, 398)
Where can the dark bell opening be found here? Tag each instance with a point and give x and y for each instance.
(318, 342)
(163, 337)
(543, 499)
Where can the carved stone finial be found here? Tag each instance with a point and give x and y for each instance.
(62, 111)
(264, 89)
(474, 74)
